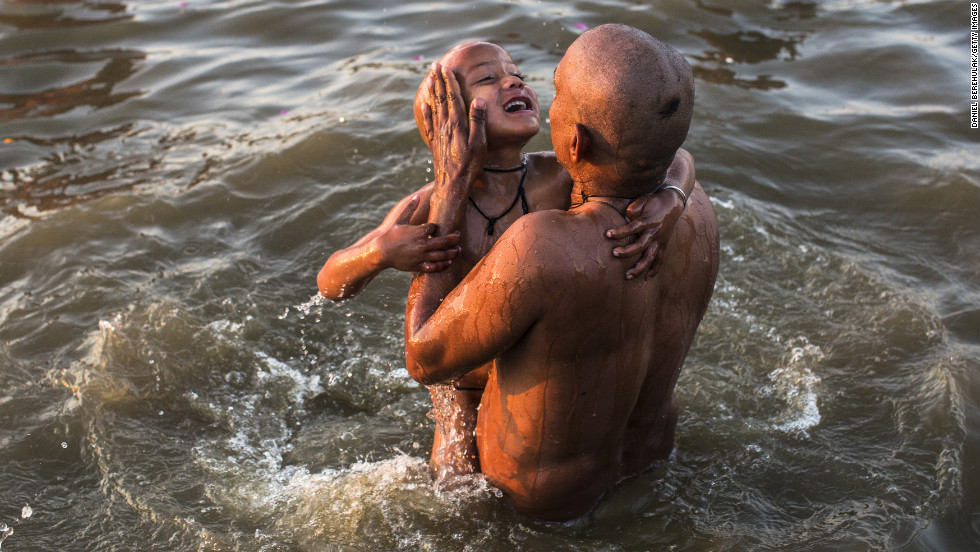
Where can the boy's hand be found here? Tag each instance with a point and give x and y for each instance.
(410, 248)
(652, 217)
(458, 144)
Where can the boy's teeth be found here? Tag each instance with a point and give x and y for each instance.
(516, 103)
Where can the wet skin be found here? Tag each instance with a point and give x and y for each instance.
(486, 71)
(584, 360)
(406, 241)
(562, 417)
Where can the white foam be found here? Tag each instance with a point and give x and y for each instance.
(226, 328)
(797, 384)
(303, 385)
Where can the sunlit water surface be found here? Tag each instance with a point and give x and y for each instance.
(173, 174)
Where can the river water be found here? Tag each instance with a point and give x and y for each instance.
(173, 174)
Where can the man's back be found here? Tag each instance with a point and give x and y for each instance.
(585, 396)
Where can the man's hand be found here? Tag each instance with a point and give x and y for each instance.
(458, 145)
(410, 248)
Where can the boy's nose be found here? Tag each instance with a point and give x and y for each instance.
(513, 82)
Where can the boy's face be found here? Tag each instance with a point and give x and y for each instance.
(486, 71)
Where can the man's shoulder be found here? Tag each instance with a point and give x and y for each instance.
(540, 224)
(531, 254)
(544, 233)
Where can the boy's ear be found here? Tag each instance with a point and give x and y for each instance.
(581, 143)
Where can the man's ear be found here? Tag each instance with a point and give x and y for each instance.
(581, 143)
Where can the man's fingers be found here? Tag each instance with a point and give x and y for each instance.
(442, 255)
(430, 267)
(442, 242)
(421, 232)
(404, 216)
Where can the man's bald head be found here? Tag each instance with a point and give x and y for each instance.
(633, 93)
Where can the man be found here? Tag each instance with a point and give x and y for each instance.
(585, 361)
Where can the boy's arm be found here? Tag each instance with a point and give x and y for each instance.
(396, 243)
(653, 217)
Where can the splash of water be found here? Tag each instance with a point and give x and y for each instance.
(5, 530)
(797, 383)
(304, 310)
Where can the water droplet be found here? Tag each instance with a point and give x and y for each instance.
(26, 512)
(64, 445)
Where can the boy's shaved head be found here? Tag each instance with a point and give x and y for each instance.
(633, 93)
(447, 60)
(485, 70)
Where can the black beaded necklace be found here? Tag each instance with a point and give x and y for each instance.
(491, 221)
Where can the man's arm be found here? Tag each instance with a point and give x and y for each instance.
(458, 147)
(489, 311)
(396, 243)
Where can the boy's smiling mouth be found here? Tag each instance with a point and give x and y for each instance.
(518, 104)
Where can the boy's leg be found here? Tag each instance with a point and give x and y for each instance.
(454, 449)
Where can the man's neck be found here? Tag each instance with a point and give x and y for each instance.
(614, 188)
(582, 191)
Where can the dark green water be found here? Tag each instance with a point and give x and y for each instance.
(173, 175)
